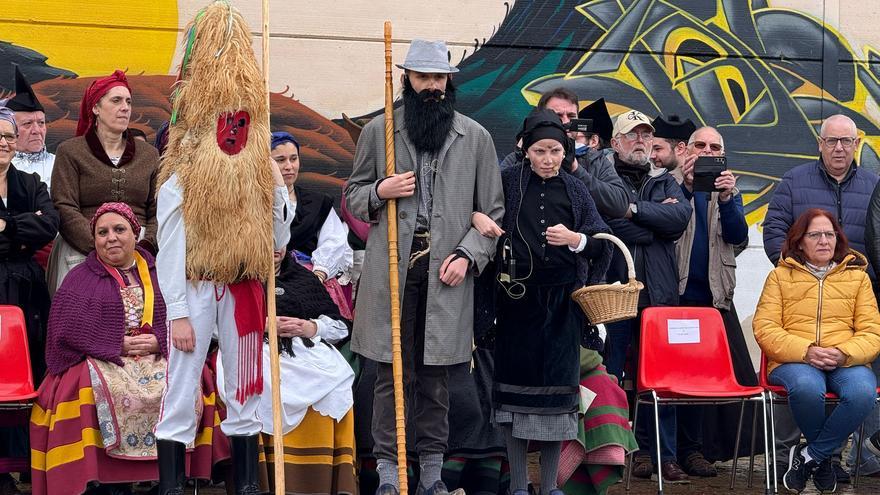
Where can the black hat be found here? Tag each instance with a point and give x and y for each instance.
(25, 100)
(598, 112)
(543, 123)
(673, 128)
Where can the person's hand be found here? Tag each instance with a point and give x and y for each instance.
(295, 327)
(687, 171)
(183, 337)
(559, 235)
(629, 211)
(2, 225)
(725, 182)
(669, 201)
(453, 273)
(822, 358)
(485, 225)
(321, 275)
(276, 173)
(140, 345)
(838, 356)
(397, 186)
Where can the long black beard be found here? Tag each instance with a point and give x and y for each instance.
(428, 117)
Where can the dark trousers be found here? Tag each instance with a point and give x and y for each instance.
(425, 387)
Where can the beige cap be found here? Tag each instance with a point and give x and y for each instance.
(628, 121)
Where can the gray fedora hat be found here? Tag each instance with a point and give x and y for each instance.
(431, 57)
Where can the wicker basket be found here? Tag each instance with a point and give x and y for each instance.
(608, 303)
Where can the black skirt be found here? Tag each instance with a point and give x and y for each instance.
(537, 349)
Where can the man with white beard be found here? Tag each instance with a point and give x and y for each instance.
(658, 213)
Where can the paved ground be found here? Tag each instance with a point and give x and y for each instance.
(708, 486)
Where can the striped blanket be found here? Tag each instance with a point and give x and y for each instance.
(595, 460)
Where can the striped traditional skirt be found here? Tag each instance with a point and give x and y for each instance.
(318, 456)
(594, 461)
(69, 449)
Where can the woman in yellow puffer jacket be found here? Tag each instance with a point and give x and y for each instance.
(818, 325)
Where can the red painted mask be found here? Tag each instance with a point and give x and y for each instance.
(232, 131)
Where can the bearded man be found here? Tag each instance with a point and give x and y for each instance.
(220, 216)
(658, 214)
(446, 170)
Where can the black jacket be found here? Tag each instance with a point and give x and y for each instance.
(22, 281)
(650, 236)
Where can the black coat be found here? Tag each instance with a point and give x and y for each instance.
(31, 223)
(650, 236)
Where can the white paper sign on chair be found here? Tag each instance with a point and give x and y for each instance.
(683, 331)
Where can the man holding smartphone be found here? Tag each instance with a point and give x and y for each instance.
(706, 255)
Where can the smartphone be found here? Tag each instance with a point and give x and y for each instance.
(580, 125)
(706, 170)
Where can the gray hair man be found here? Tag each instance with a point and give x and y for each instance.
(30, 116)
(656, 216)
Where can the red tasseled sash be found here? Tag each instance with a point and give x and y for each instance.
(250, 319)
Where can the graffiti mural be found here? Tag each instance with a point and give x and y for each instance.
(764, 74)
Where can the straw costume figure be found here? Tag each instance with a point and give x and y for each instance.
(217, 194)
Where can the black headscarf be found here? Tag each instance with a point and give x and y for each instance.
(299, 294)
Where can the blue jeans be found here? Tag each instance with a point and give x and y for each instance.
(806, 386)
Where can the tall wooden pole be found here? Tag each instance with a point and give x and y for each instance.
(393, 279)
(277, 425)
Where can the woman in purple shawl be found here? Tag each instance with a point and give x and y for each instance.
(106, 355)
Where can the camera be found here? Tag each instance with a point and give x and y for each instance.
(580, 125)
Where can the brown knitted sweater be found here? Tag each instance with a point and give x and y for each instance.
(84, 178)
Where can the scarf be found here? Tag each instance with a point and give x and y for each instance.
(635, 173)
(299, 294)
(35, 157)
(143, 271)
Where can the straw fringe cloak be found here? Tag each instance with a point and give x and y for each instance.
(227, 199)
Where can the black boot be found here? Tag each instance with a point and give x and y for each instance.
(244, 464)
(172, 466)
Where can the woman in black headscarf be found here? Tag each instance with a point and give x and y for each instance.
(545, 253)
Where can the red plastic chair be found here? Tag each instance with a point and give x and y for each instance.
(16, 379)
(695, 369)
(778, 395)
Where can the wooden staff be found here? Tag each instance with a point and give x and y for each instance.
(393, 279)
(277, 430)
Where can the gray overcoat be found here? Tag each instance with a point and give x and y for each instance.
(467, 180)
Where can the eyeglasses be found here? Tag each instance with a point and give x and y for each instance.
(831, 142)
(645, 135)
(10, 138)
(814, 236)
(701, 145)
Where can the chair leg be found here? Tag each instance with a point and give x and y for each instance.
(752, 446)
(739, 427)
(767, 445)
(772, 441)
(657, 440)
(632, 455)
(858, 447)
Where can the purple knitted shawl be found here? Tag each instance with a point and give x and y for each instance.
(87, 317)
